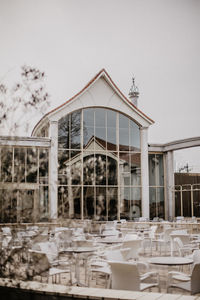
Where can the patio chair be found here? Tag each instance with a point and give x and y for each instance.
(183, 277)
(125, 276)
(185, 282)
(99, 265)
(182, 248)
(42, 267)
(134, 246)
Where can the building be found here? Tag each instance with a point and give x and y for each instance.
(88, 159)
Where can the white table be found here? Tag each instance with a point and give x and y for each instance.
(77, 252)
(170, 261)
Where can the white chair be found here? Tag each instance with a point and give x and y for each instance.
(183, 277)
(40, 266)
(187, 283)
(184, 249)
(125, 276)
(134, 246)
(100, 266)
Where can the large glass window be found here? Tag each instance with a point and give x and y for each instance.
(98, 157)
(27, 169)
(156, 186)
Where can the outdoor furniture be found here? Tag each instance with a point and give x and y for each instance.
(125, 276)
(42, 267)
(134, 246)
(187, 283)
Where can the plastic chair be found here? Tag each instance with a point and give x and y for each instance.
(187, 283)
(134, 246)
(125, 276)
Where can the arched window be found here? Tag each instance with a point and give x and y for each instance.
(98, 165)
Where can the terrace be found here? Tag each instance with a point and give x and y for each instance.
(78, 259)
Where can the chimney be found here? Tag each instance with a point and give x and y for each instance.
(134, 93)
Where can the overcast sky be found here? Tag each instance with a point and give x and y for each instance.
(71, 40)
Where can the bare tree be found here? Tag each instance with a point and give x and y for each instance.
(26, 96)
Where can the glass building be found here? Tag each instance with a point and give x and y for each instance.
(87, 159)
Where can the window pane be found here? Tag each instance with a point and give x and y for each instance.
(134, 136)
(112, 170)
(89, 202)
(125, 203)
(100, 141)
(6, 164)
(44, 203)
(75, 201)
(88, 169)
(101, 203)
(63, 202)
(112, 203)
(32, 165)
(63, 167)
(88, 117)
(88, 128)
(43, 165)
(63, 132)
(75, 135)
(135, 169)
(159, 170)
(100, 169)
(152, 177)
(124, 168)
(100, 117)
(19, 165)
(88, 138)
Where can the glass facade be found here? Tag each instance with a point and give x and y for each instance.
(156, 186)
(23, 184)
(99, 171)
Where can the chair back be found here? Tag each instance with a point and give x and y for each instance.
(125, 276)
(117, 255)
(196, 256)
(134, 246)
(195, 282)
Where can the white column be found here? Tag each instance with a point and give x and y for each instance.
(170, 183)
(144, 171)
(53, 169)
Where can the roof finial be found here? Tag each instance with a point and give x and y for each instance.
(134, 92)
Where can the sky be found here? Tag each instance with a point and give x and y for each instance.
(157, 41)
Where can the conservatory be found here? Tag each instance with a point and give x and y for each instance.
(87, 159)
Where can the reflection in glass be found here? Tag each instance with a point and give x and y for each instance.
(76, 201)
(63, 132)
(112, 203)
(112, 170)
(156, 195)
(89, 202)
(63, 202)
(43, 165)
(75, 130)
(135, 164)
(101, 203)
(100, 170)
(31, 165)
(19, 165)
(134, 136)
(6, 164)
(111, 130)
(44, 203)
(88, 169)
(104, 169)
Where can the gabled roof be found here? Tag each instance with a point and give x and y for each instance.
(106, 76)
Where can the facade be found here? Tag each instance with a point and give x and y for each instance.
(87, 159)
